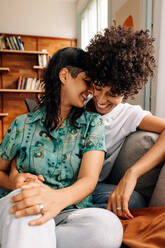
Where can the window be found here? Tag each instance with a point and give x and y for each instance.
(93, 19)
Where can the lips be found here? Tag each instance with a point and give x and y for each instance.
(104, 106)
(84, 96)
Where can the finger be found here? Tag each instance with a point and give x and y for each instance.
(114, 205)
(126, 213)
(109, 207)
(41, 178)
(32, 184)
(23, 194)
(39, 221)
(28, 211)
(25, 204)
(119, 206)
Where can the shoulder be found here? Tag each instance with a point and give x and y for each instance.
(135, 109)
(90, 118)
(20, 120)
(30, 118)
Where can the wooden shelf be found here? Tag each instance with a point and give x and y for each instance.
(38, 67)
(20, 91)
(21, 51)
(3, 114)
(5, 69)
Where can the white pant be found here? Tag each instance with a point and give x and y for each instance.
(82, 228)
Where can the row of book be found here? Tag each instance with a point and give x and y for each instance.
(11, 42)
(28, 83)
(43, 59)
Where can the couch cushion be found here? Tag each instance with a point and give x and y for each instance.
(134, 147)
(158, 196)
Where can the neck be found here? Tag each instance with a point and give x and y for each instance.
(65, 111)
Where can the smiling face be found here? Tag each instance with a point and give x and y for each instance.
(103, 100)
(74, 90)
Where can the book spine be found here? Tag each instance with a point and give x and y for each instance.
(12, 43)
(21, 44)
(19, 82)
(2, 43)
(5, 42)
(15, 42)
(8, 43)
(18, 42)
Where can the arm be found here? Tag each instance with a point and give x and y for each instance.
(4, 177)
(17, 179)
(27, 202)
(123, 191)
(13, 179)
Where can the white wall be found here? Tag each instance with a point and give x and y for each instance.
(38, 17)
(80, 5)
(159, 34)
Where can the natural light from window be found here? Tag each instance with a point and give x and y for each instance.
(93, 19)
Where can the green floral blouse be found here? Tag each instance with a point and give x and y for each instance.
(57, 159)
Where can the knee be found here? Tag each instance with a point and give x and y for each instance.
(109, 229)
(105, 228)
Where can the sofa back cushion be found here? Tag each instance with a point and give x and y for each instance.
(134, 147)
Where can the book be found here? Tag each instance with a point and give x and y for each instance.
(37, 84)
(18, 42)
(8, 43)
(28, 83)
(33, 83)
(19, 82)
(15, 42)
(23, 84)
(21, 43)
(2, 42)
(12, 43)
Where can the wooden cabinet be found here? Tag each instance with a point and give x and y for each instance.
(14, 63)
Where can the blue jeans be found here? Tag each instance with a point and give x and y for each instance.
(102, 192)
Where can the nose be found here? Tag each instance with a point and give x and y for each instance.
(90, 91)
(101, 99)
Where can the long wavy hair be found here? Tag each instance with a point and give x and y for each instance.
(76, 61)
(122, 58)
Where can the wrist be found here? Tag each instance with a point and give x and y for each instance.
(133, 172)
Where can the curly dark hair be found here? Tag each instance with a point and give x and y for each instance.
(76, 61)
(121, 58)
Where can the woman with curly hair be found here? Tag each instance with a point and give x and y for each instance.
(57, 147)
(122, 61)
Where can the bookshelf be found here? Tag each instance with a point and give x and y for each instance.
(19, 91)
(21, 51)
(4, 69)
(14, 63)
(3, 115)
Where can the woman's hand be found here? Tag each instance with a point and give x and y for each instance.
(118, 200)
(34, 194)
(19, 179)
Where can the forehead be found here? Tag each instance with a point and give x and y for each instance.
(104, 88)
(84, 75)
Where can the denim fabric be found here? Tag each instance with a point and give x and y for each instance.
(102, 192)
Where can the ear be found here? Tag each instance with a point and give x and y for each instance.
(63, 75)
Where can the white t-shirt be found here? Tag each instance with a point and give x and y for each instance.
(119, 123)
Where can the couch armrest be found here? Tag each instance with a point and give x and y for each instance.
(158, 196)
(134, 147)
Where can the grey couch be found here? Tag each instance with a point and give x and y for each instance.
(150, 184)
